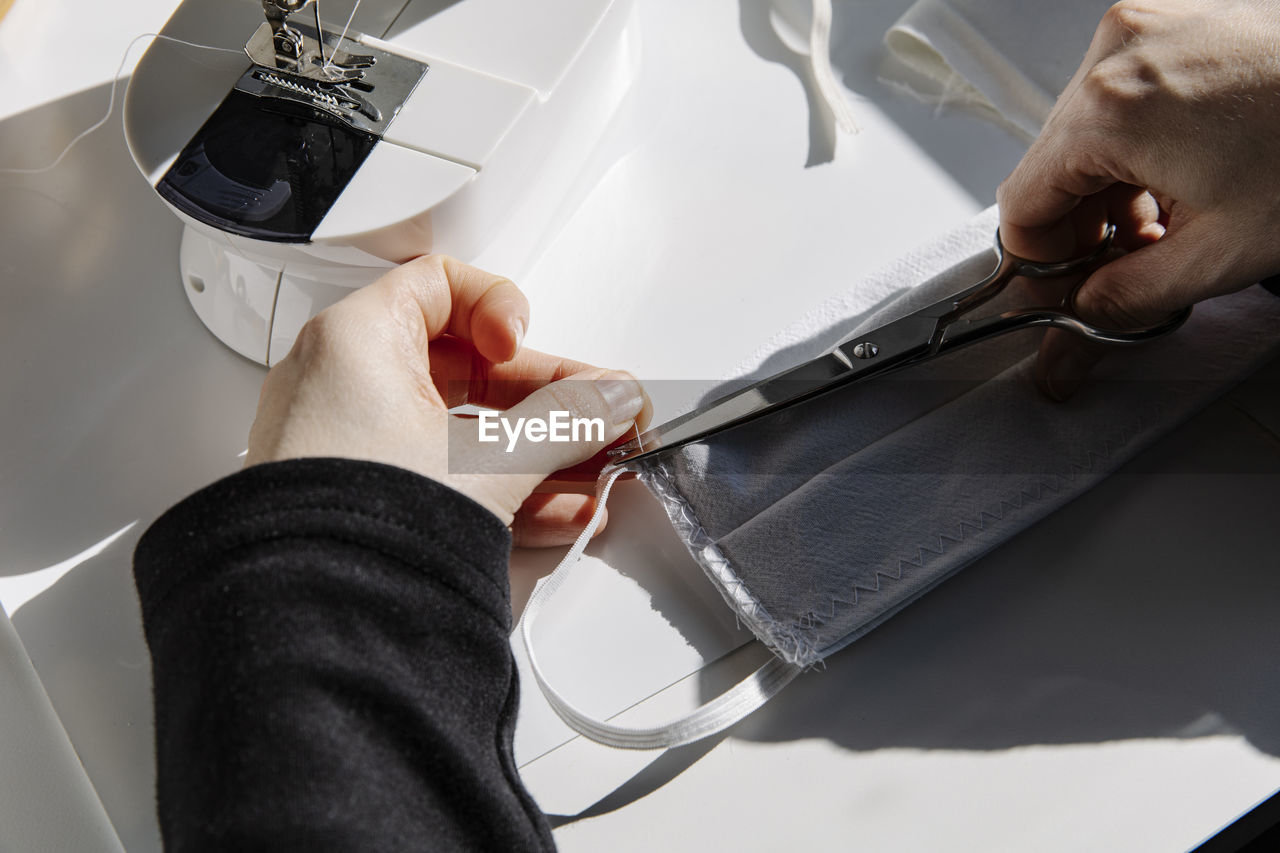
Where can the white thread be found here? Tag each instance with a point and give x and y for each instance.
(328, 64)
(820, 62)
(111, 103)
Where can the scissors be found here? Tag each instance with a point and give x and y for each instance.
(946, 325)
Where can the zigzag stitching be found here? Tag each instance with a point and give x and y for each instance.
(1029, 493)
(789, 641)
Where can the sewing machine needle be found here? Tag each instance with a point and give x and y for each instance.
(324, 63)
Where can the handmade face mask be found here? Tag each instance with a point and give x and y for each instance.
(819, 522)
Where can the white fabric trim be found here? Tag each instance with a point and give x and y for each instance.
(820, 63)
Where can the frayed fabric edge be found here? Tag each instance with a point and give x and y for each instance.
(935, 43)
(786, 642)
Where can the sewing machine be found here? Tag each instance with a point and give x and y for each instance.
(310, 157)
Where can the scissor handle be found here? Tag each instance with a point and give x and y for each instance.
(1009, 321)
(1018, 265)
(1009, 266)
(1064, 316)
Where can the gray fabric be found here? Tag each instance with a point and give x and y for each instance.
(819, 522)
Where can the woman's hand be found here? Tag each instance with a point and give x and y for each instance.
(1169, 129)
(374, 376)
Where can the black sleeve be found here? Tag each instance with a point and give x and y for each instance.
(329, 643)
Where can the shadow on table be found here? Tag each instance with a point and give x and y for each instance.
(117, 403)
(776, 30)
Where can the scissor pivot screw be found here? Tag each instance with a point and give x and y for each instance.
(866, 349)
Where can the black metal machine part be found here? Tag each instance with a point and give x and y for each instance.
(265, 168)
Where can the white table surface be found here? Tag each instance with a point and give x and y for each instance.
(1105, 681)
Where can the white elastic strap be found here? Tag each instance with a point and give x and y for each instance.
(715, 716)
(820, 62)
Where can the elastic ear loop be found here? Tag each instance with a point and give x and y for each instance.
(709, 719)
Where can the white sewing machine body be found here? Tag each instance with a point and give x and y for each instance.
(288, 205)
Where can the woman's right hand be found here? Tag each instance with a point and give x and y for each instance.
(1170, 129)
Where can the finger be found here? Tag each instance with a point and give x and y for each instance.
(1135, 214)
(1071, 158)
(1064, 362)
(546, 520)
(1195, 259)
(462, 375)
(1192, 262)
(1036, 200)
(488, 310)
(591, 409)
(464, 301)
(1065, 359)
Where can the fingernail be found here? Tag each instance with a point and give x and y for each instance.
(622, 395)
(519, 326)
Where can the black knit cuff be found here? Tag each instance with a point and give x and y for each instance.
(397, 513)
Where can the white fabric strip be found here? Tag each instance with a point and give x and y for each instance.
(1004, 59)
(820, 62)
(713, 717)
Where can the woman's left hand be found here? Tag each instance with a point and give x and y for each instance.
(374, 376)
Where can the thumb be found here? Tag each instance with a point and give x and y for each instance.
(595, 407)
(558, 425)
(1134, 291)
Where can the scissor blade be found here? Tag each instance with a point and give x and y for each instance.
(746, 404)
(878, 351)
(757, 399)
